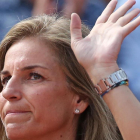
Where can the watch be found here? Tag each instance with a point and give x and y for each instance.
(108, 83)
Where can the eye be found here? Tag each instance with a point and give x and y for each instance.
(5, 80)
(35, 76)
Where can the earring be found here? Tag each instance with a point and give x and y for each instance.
(77, 111)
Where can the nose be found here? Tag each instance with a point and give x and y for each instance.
(12, 91)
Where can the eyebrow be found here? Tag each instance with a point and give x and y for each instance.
(33, 67)
(24, 68)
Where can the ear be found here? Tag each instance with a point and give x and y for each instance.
(80, 105)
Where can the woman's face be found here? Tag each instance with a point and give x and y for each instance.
(35, 100)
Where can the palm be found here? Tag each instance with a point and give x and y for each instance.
(101, 47)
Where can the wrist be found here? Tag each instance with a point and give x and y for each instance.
(98, 73)
(111, 81)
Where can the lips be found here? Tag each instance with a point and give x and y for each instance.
(15, 112)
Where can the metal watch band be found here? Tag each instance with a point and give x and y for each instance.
(107, 83)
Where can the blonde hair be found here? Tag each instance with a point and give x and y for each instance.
(96, 123)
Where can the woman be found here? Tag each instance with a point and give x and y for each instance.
(56, 88)
(45, 92)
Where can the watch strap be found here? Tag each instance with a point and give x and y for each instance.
(108, 83)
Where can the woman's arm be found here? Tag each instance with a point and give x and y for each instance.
(43, 7)
(98, 53)
(77, 6)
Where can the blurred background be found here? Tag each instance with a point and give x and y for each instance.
(13, 11)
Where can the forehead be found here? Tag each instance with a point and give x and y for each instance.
(29, 51)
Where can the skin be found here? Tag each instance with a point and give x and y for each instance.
(43, 6)
(37, 95)
(51, 6)
(98, 53)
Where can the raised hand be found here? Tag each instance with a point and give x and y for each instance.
(98, 51)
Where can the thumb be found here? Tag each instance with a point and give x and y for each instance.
(75, 28)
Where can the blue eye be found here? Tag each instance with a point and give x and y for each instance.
(35, 76)
(5, 80)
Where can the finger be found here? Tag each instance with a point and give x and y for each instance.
(127, 18)
(107, 12)
(131, 26)
(75, 28)
(121, 11)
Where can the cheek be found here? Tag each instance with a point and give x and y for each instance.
(52, 104)
(41, 96)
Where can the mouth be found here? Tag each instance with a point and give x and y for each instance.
(16, 112)
(16, 116)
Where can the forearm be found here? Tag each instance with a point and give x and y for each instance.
(124, 107)
(74, 6)
(43, 6)
(41, 3)
(126, 111)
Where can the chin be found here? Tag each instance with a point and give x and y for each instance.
(14, 132)
(14, 136)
